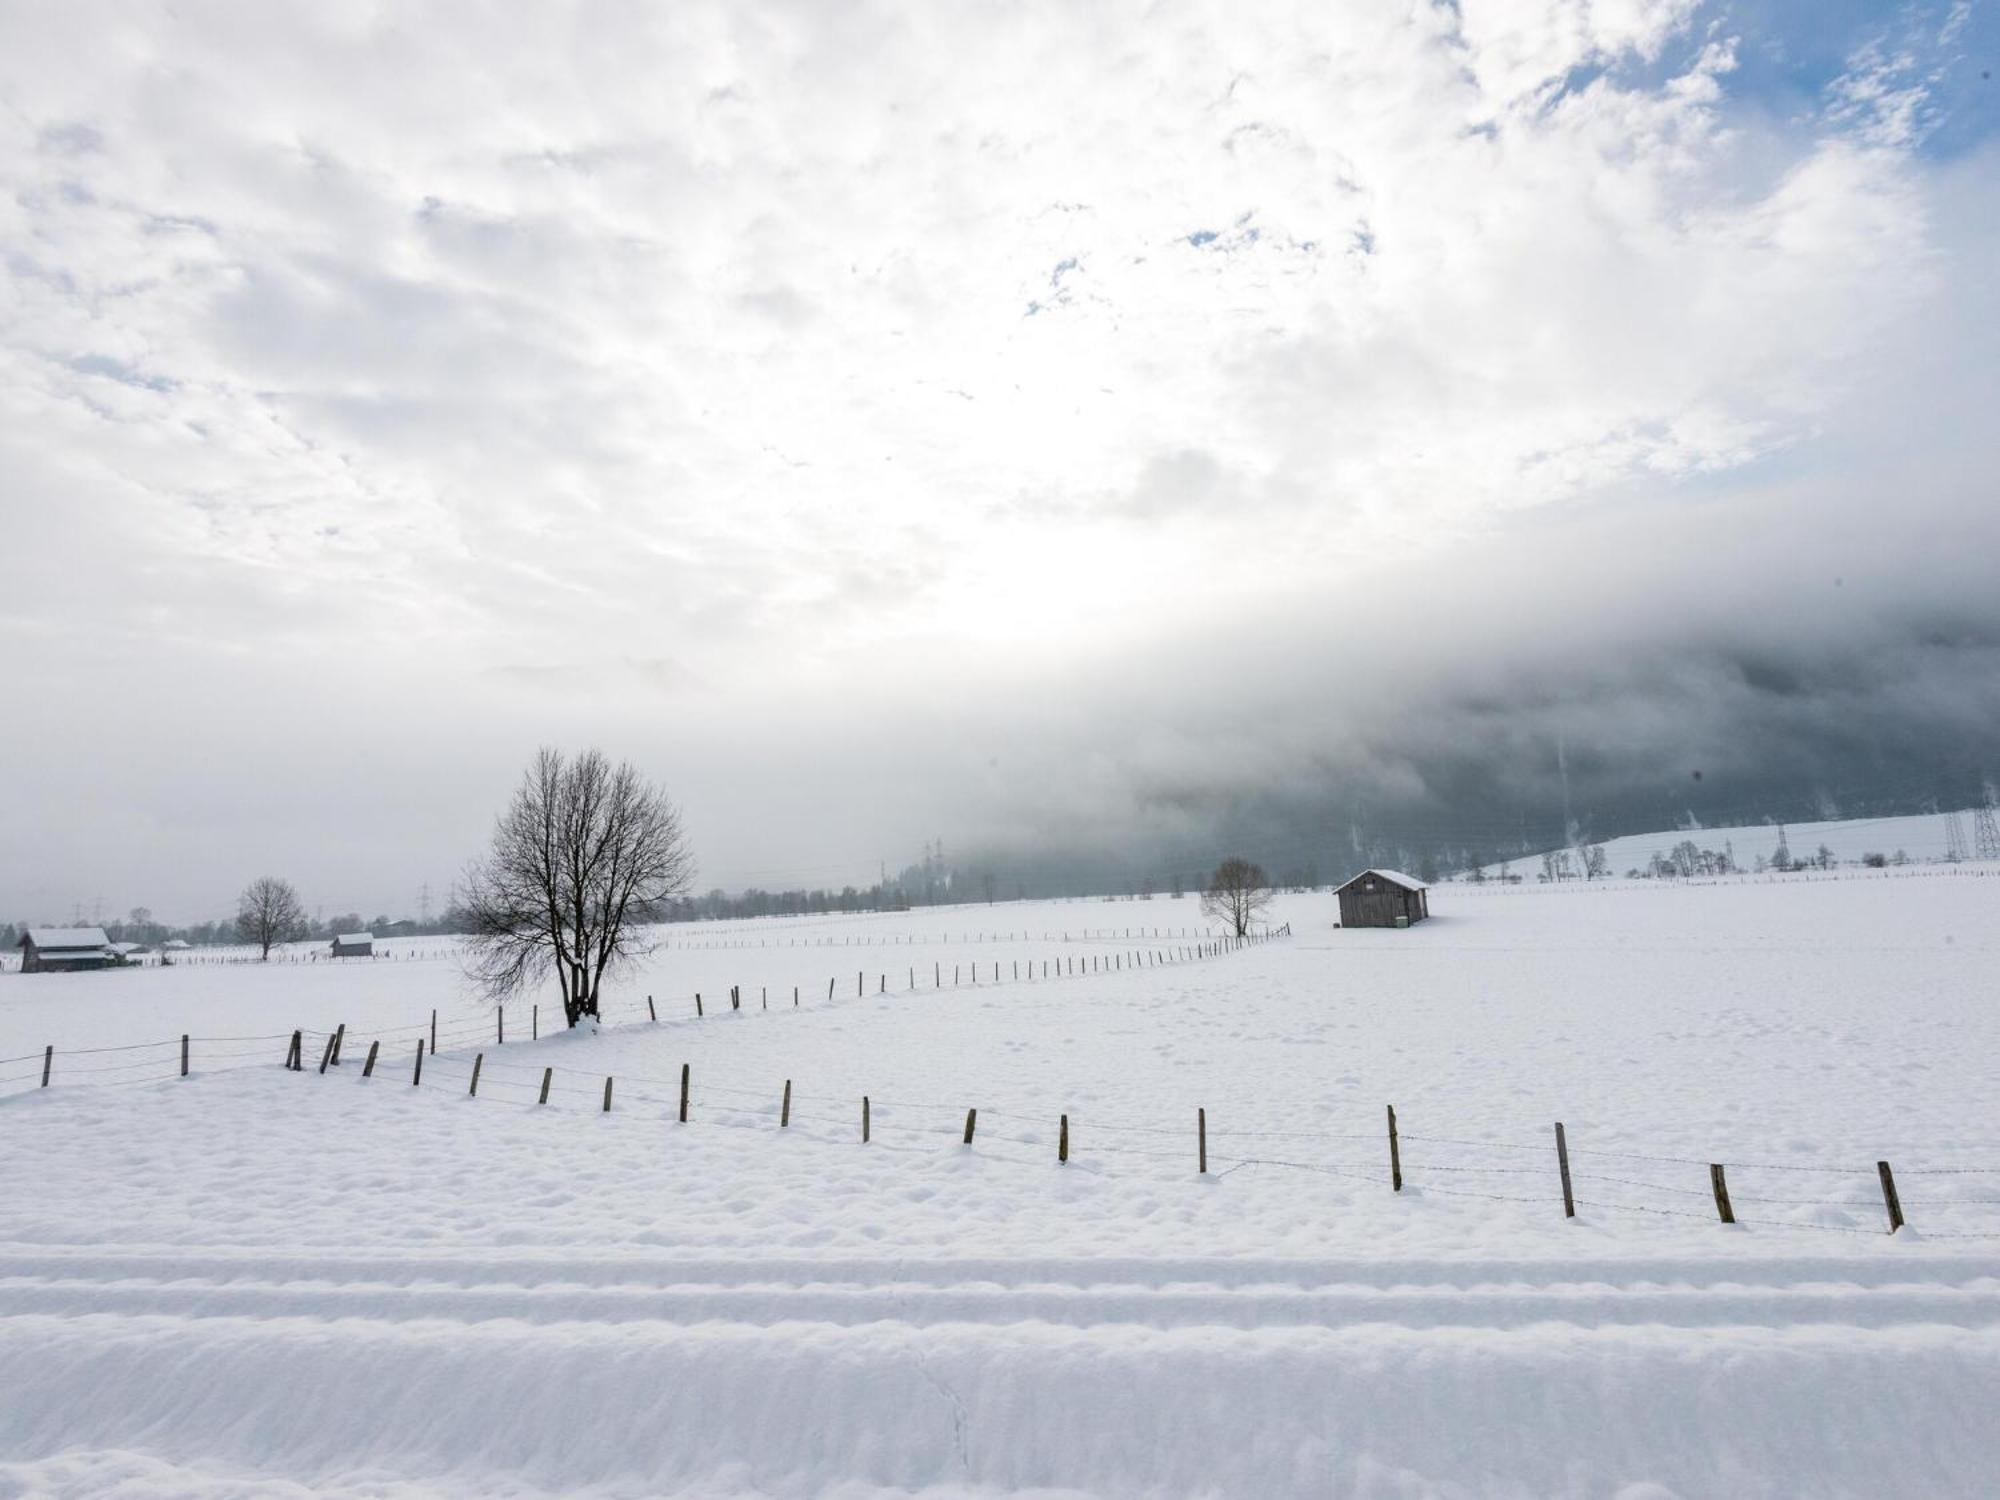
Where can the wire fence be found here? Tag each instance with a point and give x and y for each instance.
(191, 1055)
(1951, 1201)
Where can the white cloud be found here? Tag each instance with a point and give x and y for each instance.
(464, 359)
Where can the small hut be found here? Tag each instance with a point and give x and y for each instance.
(354, 945)
(64, 950)
(1383, 898)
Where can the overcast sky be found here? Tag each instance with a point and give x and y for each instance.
(1000, 422)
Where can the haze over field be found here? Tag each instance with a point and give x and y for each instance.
(1137, 430)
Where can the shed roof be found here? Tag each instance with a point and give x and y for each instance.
(47, 938)
(1394, 877)
(355, 937)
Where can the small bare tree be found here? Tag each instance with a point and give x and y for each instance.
(582, 856)
(1237, 892)
(268, 912)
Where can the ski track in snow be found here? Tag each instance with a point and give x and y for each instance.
(263, 1283)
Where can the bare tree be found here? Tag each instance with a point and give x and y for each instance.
(268, 912)
(1237, 892)
(583, 855)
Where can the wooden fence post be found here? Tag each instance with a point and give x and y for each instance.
(1395, 1153)
(500, 1026)
(651, 1014)
(292, 1052)
(184, 1054)
(697, 1002)
(368, 1068)
(48, 1062)
(864, 1119)
(795, 997)
(859, 985)
(785, 1110)
(548, 1077)
(339, 1037)
(326, 1054)
(684, 1093)
(434, 1032)
(1201, 1140)
(607, 1093)
(971, 1119)
(1889, 1199)
(1721, 1187)
(1062, 1140)
(478, 1062)
(1562, 1165)
(417, 1076)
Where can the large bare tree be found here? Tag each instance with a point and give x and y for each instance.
(583, 856)
(268, 912)
(1237, 892)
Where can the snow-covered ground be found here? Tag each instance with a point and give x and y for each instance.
(1919, 837)
(259, 1282)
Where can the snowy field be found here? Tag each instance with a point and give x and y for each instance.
(255, 1282)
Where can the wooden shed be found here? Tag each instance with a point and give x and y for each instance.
(1383, 898)
(63, 950)
(354, 945)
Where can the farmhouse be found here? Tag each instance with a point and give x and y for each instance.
(59, 950)
(1383, 898)
(354, 945)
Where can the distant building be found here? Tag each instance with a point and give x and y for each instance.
(62, 950)
(174, 945)
(1383, 898)
(354, 945)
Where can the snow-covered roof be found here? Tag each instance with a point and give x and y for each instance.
(46, 938)
(1394, 877)
(121, 949)
(355, 937)
(175, 943)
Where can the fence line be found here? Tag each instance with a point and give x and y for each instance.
(37, 1070)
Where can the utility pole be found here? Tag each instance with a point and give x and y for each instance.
(1985, 834)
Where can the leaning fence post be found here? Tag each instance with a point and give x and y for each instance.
(292, 1051)
(48, 1062)
(829, 989)
(1717, 1181)
(326, 1053)
(1562, 1165)
(1889, 1199)
(417, 1075)
(684, 1093)
(971, 1119)
(339, 1036)
(697, 1002)
(785, 1110)
(1062, 1140)
(548, 1077)
(1395, 1153)
(368, 1068)
(864, 1119)
(477, 1062)
(184, 1054)
(651, 1014)
(1201, 1140)
(607, 1093)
